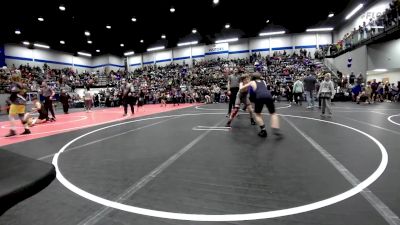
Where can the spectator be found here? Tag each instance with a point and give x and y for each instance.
(48, 94)
(298, 90)
(309, 88)
(88, 98)
(326, 93)
(64, 99)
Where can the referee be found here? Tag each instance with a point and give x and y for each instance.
(48, 94)
(233, 89)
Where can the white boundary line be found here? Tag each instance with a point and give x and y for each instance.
(361, 108)
(85, 126)
(94, 218)
(390, 119)
(200, 108)
(379, 206)
(382, 113)
(73, 128)
(372, 125)
(228, 217)
(214, 127)
(362, 111)
(106, 138)
(52, 123)
(211, 129)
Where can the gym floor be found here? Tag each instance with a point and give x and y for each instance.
(184, 167)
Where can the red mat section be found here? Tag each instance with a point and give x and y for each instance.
(79, 120)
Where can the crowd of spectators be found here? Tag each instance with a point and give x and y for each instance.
(204, 81)
(34, 75)
(376, 24)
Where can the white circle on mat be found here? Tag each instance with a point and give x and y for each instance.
(390, 119)
(55, 123)
(200, 108)
(224, 217)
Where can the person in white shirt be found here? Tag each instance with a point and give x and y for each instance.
(298, 90)
(88, 98)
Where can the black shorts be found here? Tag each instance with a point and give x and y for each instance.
(259, 105)
(42, 116)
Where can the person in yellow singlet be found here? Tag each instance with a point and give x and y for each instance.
(18, 103)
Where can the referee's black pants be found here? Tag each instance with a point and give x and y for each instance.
(232, 98)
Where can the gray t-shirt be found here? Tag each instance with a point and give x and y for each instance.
(46, 91)
(126, 89)
(233, 80)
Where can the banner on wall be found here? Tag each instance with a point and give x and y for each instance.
(218, 47)
(217, 50)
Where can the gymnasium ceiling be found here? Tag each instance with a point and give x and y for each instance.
(153, 18)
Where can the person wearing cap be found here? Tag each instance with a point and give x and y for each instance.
(260, 96)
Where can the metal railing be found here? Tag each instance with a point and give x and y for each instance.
(366, 35)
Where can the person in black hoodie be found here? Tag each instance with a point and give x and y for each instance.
(128, 98)
(309, 88)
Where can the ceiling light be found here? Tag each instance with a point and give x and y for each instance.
(320, 29)
(26, 43)
(267, 21)
(172, 9)
(89, 42)
(87, 33)
(98, 50)
(227, 40)
(62, 42)
(194, 31)
(354, 11)
(227, 26)
(331, 15)
(141, 41)
(380, 70)
(188, 43)
(272, 33)
(41, 46)
(163, 36)
(215, 1)
(155, 48)
(122, 45)
(133, 19)
(40, 19)
(62, 8)
(17, 32)
(129, 53)
(108, 27)
(85, 54)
